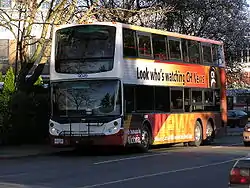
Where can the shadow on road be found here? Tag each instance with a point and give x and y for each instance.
(97, 151)
(112, 151)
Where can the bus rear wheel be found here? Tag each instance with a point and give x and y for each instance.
(197, 135)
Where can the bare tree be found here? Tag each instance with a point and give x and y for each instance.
(29, 16)
(23, 20)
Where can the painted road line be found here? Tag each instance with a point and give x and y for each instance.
(160, 173)
(13, 175)
(132, 158)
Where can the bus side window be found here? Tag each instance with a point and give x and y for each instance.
(159, 47)
(129, 43)
(197, 100)
(144, 45)
(218, 57)
(217, 99)
(194, 51)
(174, 48)
(162, 99)
(176, 100)
(187, 99)
(206, 53)
(129, 98)
(144, 98)
(184, 48)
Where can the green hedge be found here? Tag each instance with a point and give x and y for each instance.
(24, 116)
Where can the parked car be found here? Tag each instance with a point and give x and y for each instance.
(239, 174)
(237, 118)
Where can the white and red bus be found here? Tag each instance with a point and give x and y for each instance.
(125, 85)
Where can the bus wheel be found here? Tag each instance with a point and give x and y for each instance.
(209, 133)
(145, 139)
(197, 135)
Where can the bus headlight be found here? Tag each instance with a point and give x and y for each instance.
(112, 129)
(54, 131)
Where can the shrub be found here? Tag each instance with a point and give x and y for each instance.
(1, 77)
(5, 97)
(9, 82)
(30, 124)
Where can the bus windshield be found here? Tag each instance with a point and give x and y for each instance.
(78, 98)
(85, 49)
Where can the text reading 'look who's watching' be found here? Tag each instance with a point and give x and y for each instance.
(175, 76)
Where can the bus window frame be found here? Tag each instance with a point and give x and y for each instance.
(200, 52)
(186, 44)
(170, 96)
(180, 40)
(153, 35)
(211, 53)
(169, 53)
(209, 90)
(139, 33)
(135, 42)
(193, 104)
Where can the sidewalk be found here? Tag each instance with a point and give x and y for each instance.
(13, 152)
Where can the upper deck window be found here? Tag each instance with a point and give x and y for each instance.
(207, 53)
(194, 51)
(85, 49)
(159, 47)
(144, 45)
(174, 48)
(218, 57)
(129, 43)
(184, 48)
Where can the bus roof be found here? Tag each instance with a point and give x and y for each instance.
(150, 30)
(172, 34)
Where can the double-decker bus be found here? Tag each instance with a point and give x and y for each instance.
(124, 85)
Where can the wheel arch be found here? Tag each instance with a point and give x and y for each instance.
(147, 123)
(212, 122)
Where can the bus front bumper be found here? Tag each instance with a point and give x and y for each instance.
(95, 140)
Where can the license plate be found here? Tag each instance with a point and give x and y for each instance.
(134, 139)
(58, 141)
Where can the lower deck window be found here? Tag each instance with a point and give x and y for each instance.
(177, 99)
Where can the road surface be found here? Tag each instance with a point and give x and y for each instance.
(206, 167)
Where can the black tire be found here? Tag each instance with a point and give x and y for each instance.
(197, 135)
(145, 140)
(246, 144)
(209, 133)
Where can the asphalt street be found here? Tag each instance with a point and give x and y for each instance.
(206, 167)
